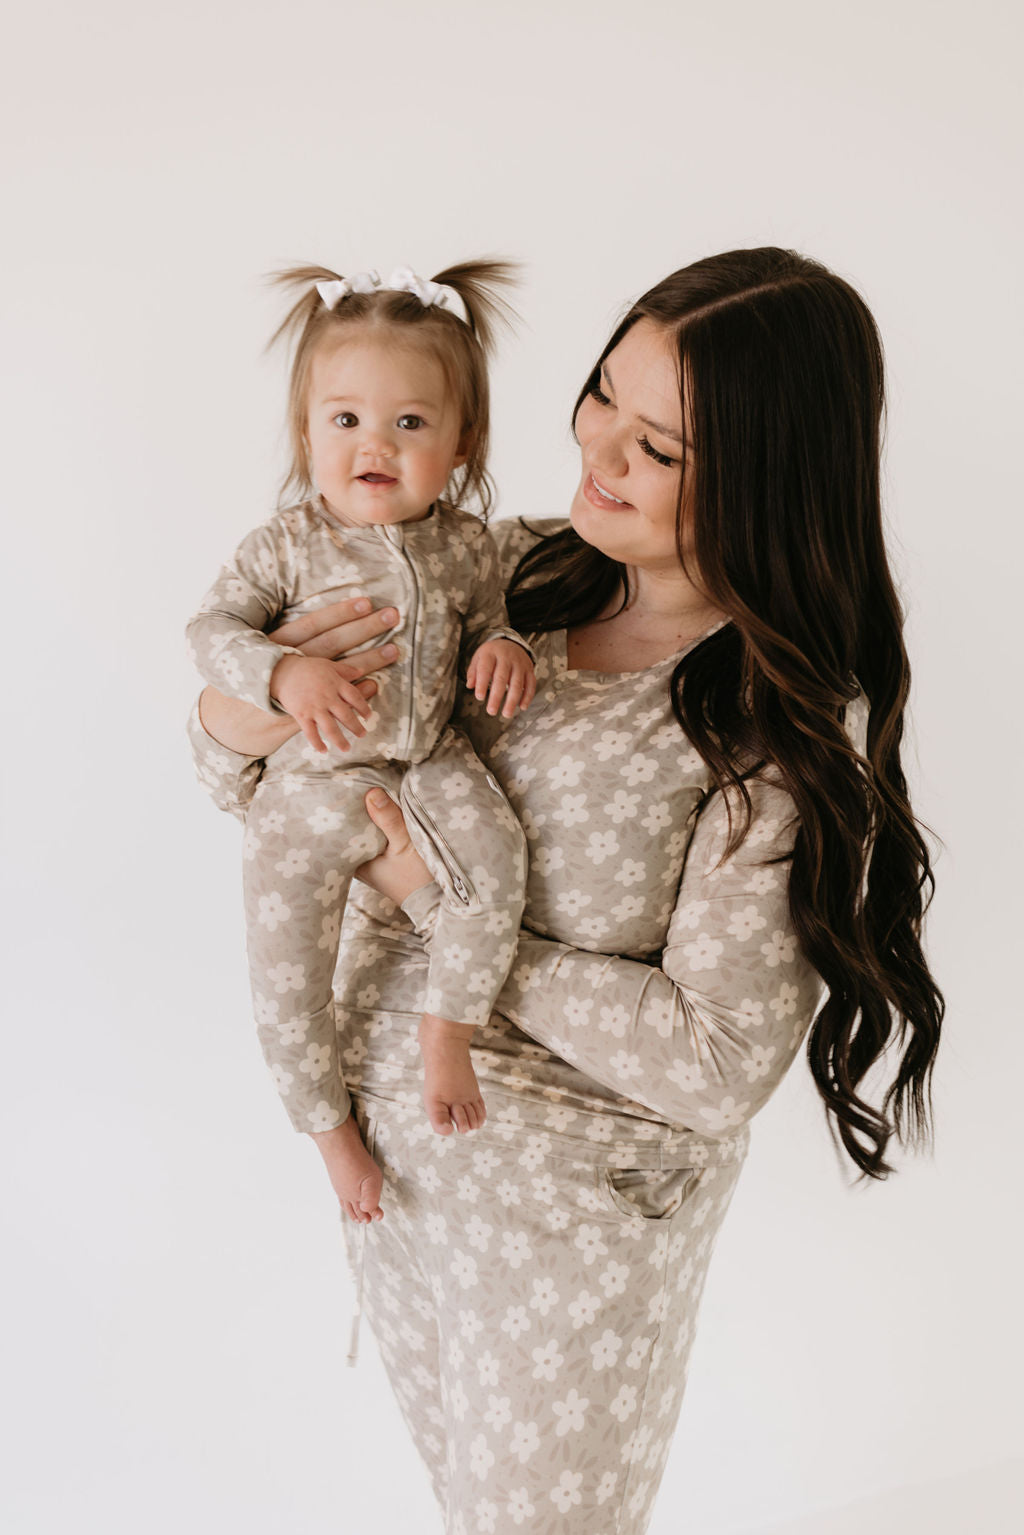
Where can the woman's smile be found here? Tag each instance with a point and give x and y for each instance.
(596, 493)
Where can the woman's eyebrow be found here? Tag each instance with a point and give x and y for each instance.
(656, 426)
(666, 431)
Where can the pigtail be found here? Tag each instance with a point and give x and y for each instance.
(476, 283)
(306, 306)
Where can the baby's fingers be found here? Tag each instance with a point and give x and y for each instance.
(349, 694)
(481, 670)
(499, 686)
(311, 730)
(330, 729)
(516, 696)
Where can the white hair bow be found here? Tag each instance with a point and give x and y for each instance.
(402, 280)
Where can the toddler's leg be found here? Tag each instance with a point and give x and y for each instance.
(473, 844)
(300, 850)
(451, 1092)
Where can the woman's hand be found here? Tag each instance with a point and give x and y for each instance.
(329, 631)
(337, 628)
(399, 870)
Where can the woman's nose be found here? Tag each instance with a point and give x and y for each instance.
(606, 450)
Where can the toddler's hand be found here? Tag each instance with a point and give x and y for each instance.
(318, 698)
(502, 669)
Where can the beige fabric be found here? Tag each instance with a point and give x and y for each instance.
(443, 574)
(535, 1314)
(657, 998)
(306, 824)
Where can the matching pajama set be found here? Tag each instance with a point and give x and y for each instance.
(306, 826)
(534, 1286)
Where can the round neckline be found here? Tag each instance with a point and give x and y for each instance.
(317, 504)
(561, 652)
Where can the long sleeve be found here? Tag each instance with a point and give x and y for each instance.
(226, 638)
(704, 1039)
(228, 777)
(486, 617)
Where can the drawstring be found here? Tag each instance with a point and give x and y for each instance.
(353, 1342)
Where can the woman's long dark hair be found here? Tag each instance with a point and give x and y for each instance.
(783, 368)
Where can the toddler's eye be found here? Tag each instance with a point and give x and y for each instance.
(346, 418)
(410, 423)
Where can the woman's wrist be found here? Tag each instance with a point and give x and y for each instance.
(421, 907)
(241, 727)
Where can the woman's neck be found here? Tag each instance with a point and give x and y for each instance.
(663, 615)
(659, 603)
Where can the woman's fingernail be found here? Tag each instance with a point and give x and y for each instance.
(390, 651)
(387, 617)
(363, 605)
(378, 797)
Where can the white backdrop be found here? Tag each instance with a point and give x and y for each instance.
(169, 1238)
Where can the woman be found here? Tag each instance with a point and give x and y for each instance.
(719, 829)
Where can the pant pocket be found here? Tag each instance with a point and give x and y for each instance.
(644, 1193)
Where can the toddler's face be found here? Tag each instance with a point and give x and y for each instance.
(383, 434)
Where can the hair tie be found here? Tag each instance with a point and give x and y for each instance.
(402, 280)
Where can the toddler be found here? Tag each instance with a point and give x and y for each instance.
(389, 425)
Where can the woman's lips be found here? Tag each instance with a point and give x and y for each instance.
(607, 503)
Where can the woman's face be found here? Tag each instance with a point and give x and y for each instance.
(631, 432)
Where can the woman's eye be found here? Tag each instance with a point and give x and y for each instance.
(346, 418)
(659, 458)
(410, 423)
(598, 394)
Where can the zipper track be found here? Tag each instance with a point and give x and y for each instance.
(400, 550)
(461, 884)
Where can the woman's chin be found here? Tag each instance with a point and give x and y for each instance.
(593, 527)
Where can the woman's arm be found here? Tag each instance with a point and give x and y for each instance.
(229, 738)
(243, 728)
(704, 1039)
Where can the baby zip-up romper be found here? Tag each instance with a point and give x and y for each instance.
(306, 825)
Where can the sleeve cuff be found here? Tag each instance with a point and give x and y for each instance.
(229, 777)
(421, 907)
(505, 634)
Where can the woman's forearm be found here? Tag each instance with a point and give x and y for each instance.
(704, 1038)
(242, 727)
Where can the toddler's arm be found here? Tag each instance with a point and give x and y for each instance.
(227, 638)
(233, 652)
(500, 662)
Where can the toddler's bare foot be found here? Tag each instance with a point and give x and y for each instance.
(355, 1176)
(452, 1093)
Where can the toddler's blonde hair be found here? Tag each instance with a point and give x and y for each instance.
(461, 348)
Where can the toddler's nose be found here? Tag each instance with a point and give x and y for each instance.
(377, 446)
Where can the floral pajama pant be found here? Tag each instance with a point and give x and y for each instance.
(305, 835)
(535, 1315)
